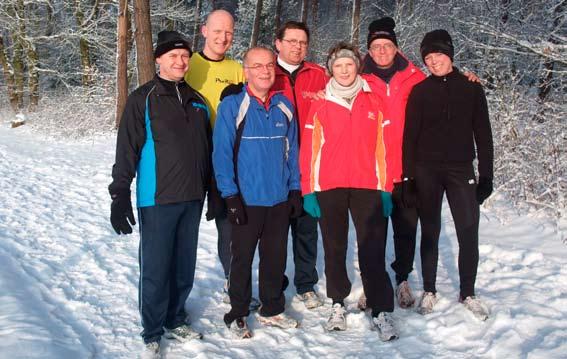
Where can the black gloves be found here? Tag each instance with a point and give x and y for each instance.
(215, 203)
(409, 193)
(235, 210)
(295, 205)
(483, 189)
(121, 212)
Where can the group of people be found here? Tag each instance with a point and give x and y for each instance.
(281, 143)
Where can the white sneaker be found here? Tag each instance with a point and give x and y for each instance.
(428, 300)
(362, 302)
(337, 320)
(310, 299)
(151, 351)
(281, 320)
(239, 329)
(183, 333)
(479, 310)
(384, 324)
(404, 295)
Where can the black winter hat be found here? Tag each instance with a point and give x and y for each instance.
(382, 29)
(169, 40)
(437, 41)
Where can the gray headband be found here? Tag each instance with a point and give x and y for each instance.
(342, 53)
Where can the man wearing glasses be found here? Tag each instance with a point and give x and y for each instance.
(300, 82)
(255, 160)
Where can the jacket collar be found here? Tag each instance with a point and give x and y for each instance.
(166, 87)
(451, 75)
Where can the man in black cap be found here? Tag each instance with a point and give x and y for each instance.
(164, 140)
(392, 77)
(447, 126)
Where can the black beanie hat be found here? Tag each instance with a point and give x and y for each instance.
(382, 29)
(169, 40)
(437, 41)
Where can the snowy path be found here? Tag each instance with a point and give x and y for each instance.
(69, 285)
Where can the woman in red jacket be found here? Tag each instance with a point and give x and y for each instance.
(343, 169)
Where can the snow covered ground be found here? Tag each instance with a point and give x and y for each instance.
(68, 284)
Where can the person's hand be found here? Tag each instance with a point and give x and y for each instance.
(121, 215)
(319, 95)
(409, 193)
(215, 203)
(294, 202)
(471, 76)
(483, 189)
(311, 205)
(387, 204)
(235, 210)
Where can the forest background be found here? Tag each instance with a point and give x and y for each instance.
(67, 66)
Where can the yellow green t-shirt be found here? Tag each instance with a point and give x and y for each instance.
(210, 77)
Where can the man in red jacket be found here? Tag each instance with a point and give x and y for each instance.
(300, 82)
(393, 78)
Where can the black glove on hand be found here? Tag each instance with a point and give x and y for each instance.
(483, 189)
(121, 212)
(409, 193)
(215, 203)
(235, 210)
(295, 205)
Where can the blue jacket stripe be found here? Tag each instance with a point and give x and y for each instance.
(200, 105)
(146, 178)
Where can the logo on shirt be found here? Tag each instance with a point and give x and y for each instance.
(279, 124)
(371, 115)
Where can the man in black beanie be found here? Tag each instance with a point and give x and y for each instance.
(447, 126)
(172, 178)
(392, 76)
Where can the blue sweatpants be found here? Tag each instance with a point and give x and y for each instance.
(168, 252)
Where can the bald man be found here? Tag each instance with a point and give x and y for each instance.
(211, 71)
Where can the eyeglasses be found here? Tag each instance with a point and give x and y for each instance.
(387, 47)
(257, 67)
(295, 42)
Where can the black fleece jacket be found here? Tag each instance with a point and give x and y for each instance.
(180, 144)
(445, 117)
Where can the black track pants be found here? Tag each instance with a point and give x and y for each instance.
(268, 226)
(404, 223)
(366, 210)
(459, 184)
(304, 235)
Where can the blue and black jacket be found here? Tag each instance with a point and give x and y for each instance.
(267, 157)
(164, 139)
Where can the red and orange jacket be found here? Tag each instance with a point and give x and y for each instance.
(343, 145)
(394, 96)
(310, 79)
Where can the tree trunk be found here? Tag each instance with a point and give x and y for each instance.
(548, 65)
(121, 59)
(143, 36)
(256, 29)
(304, 10)
(8, 72)
(278, 17)
(355, 30)
(84, 48)
(314, 20)
(196, 25)
(33, 76)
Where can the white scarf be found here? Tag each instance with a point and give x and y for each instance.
(345, 93)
